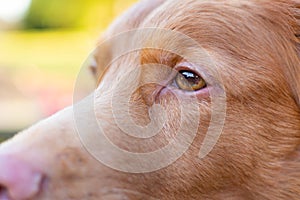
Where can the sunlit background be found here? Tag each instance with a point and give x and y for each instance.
(42, 46)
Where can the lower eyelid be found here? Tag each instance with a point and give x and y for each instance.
(203, 94)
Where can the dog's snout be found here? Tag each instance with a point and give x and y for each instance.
(18, 180)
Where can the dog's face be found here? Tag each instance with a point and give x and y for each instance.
(217, 77)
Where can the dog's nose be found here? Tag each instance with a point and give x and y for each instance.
(18, 180)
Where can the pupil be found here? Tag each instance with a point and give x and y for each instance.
(191, 77)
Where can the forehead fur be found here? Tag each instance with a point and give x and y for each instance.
(227, 24)
(249, 36)
(259, 35)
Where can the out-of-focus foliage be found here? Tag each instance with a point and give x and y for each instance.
(38, 68)
(47, 14)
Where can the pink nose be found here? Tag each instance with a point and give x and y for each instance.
(18, 180)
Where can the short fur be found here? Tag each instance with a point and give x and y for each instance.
(255, 47)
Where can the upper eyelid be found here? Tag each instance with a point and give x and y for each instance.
(188, 66)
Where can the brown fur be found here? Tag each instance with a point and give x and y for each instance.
(255, 48)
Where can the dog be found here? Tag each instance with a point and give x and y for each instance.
(215, 82)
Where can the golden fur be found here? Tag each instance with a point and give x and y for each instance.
(255, 48)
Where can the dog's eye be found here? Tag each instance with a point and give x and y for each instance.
(189, 81)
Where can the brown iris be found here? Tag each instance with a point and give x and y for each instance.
(189, 81)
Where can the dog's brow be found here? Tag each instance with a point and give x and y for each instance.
(149, 55)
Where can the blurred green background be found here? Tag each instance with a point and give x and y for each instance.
(43, 44)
